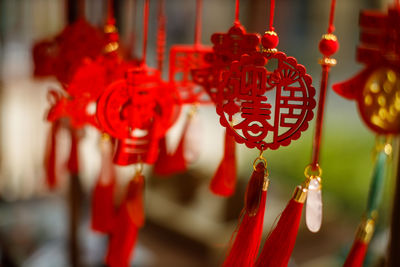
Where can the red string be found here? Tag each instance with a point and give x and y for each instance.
(110, 11)
(331, 27)
(271, 15)
(161, 35)
(197, 36)
(145, 29)
(237, 11)
(320, 116)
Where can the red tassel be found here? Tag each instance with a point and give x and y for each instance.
(73, 165)
(360, 245)
(103, 210)
(356, 255)
(280, 243)
(50, 155)
(224, 181)
(125, 230)
(244, 250)
(168, 164)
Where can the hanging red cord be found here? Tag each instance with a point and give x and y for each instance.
(145, 30)
(271, 15)
(197, 33)
(331, 27)
(237, 12)
(161, 35)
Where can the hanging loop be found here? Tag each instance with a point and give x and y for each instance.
(260, 158)
(311, 170)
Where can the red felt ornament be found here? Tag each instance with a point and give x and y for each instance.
(244, 108)
(376, 87)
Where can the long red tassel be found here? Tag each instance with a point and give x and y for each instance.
(129, 219)
(103, 209)
(244, 250)
(168, 164)
(51, 155)
(73, 163)
(360, 245)
(224, 181)
(280, 243)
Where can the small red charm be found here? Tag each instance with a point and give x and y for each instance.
(227, 47)
(376, 89)
(244, 100)
(139, 109)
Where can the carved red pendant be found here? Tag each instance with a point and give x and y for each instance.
(376, 89)
(265, 100)
(227, 47)
(138, 110)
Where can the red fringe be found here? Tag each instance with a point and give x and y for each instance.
(129, 219)
(244, 250)
(50, 156)
(280, 243)
(103, 209)
(357, 254)
(73, 164)
(168, 164)
(224, 181)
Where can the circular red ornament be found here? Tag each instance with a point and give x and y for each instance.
(140, 101)
(263, 107)
(270, 40)
(328, 45)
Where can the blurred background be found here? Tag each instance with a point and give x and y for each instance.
(186, 224)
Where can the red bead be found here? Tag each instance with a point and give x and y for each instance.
(328, 46)
(270, 40)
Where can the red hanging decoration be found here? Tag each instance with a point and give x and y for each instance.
(247, 82)
(167, 164)
(359, 249)
(183, 59)
(376, 87)
(138, 110)
(141, 102)
(227, 47)
(224, 181)
(243, 104)
(103, 209)
(77, 41)
(129, 219)
(50, 161)
(244, 249)
(280, 243)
